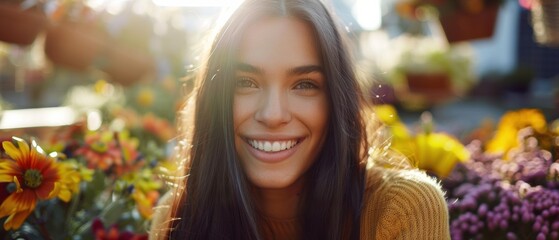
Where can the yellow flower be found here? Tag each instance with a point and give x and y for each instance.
(35, 175)
(438, 153)
(145, 201)
(506, 136)
(72, 175)
(145, 191)
(145, 97)
(401, 140)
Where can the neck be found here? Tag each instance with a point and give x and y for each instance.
(280, 203)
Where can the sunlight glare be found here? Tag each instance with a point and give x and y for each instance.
(195, 3)
(368, 14)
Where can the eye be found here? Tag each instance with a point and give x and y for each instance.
(244, 82)
(306, 85)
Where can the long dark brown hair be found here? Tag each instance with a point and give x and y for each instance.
(215, 200)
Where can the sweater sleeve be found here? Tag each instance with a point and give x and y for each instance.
(411, 205)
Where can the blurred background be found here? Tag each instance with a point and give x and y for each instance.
(465, 61)
(468, 91)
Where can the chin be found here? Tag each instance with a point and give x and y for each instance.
(267, 181)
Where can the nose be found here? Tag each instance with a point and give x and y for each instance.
(274, 109)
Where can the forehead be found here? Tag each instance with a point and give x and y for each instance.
(279, 42)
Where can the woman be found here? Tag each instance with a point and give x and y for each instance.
(278, 148)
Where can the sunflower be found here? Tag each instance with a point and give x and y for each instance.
(36, 176)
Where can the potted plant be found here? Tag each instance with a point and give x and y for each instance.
(427, 73)
(461, 20)
(78, 39)
(20, 24)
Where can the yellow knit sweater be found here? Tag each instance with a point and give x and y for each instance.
(399, 204)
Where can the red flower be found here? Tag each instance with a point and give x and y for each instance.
(112, 233)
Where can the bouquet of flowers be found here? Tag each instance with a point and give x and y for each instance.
(83, 183)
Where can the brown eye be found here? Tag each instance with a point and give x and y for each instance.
(306, 85)
(245, 83)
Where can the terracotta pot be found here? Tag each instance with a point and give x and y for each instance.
(74, 45)
(19, 26)
(127, 66)
(425, 90)
(463, 26)
(81, 46)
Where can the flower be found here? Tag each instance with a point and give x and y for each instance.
(130, 155)
(144, 190)
(35, 175)
(509, 126)
(145, 97)
(426, 71)
(115, 152)
(436, 153)
(100, 150)
(113, 233)
(72, 175)
(157, 126)
(514, 196)
(85, 175)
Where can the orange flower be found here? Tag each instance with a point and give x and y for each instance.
(145, 202)
(100, 150)
(131, 159)
(35, 175)
(158, 127)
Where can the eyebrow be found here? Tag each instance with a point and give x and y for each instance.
(245, 67)
(249, 68)
(305, 69)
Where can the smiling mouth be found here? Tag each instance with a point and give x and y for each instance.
(273, 146)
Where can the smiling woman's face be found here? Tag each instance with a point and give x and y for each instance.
(280, 106)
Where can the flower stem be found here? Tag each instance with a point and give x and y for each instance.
(44, 231)
(42, 228)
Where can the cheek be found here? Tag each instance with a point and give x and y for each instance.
(241, 110)
(315, 114)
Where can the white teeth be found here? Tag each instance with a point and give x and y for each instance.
(274, 146)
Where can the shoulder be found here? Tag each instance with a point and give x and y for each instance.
(404, 181)
(400, 186)
(405, 203)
